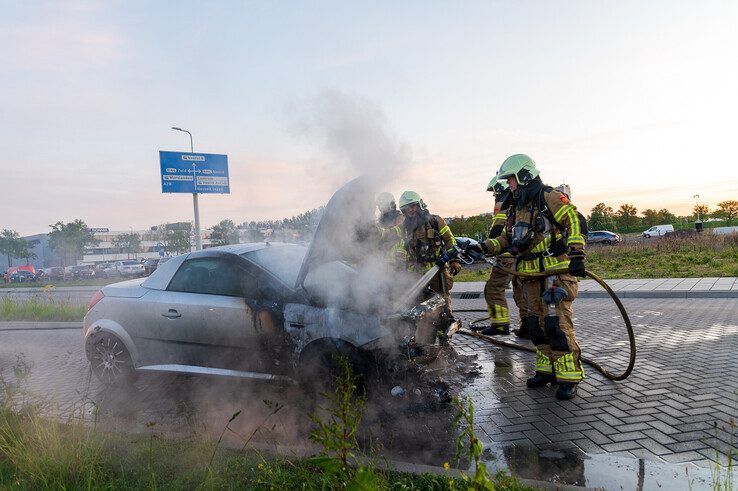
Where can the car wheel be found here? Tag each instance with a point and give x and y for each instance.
(110, 360)
(320, 365)
(606, 242)
(648, 236)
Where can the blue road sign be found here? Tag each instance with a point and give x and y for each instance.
(184, 172)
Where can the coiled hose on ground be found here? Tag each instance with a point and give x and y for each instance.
(592, 363)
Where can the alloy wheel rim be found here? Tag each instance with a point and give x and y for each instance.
(109, 358)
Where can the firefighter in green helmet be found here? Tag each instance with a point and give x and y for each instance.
(494, 288)
(426, 238)
(544, 233)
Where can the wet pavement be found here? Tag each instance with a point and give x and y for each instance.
(662, 428)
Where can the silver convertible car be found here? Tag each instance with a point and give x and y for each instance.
(262, 311)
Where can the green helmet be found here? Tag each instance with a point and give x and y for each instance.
(519, 166)
(386, 202)
(497, 186)
(411, 197)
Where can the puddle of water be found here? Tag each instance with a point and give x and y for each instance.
(605, 471)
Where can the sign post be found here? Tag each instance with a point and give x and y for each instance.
(196, 173)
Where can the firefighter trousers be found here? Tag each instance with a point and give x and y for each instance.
(557, 350)
(494, 292)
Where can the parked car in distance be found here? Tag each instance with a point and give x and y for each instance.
(13, 269)
(150, 265)
(55, 273)
(84, 271)
(129, 267)
(22, 276)
(603, 237)
(105, 270)
(658, 231)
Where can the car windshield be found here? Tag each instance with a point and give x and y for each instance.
(282, 261)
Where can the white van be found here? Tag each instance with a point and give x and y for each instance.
(658, 231)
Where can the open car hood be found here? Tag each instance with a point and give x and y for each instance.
(344, 224)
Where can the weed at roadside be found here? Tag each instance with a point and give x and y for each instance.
(40, 308)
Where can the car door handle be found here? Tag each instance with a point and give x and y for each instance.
(172, 314)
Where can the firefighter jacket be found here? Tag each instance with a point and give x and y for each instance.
(499, 220)
(427, 242)
(391, 238)
(555, 230)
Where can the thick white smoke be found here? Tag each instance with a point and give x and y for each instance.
(355, 135)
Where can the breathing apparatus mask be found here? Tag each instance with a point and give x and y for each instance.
(522, 233)
(521, 236)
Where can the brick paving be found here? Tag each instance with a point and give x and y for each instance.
(680, 404)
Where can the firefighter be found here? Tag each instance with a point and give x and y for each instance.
(391, 237)
(426, 237)
(543, 232)
(494, 289)
(390, 216)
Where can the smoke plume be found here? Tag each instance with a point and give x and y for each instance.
(355, 133)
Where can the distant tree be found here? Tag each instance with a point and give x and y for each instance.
(728, 210)
(476, 227)
(23, 250)
(627, 217)
(666, 217)
(224, 233)
(9, 244)
(128, 243)
(69, 240)
(701, 211)
(300, 226)
(601, 217)
(650, 217)
(175, 239)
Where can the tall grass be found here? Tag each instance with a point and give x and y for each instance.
(40, 308)
(703, 255)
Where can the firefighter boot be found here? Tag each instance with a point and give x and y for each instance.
(540, 379)
(522, 333)
(502, 330)
(566, 391)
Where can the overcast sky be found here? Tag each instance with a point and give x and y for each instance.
(625, 101)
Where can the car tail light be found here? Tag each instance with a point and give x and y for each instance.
(95, 298)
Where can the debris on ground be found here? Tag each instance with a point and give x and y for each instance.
(397, 391)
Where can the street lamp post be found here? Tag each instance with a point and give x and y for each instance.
(198, 239)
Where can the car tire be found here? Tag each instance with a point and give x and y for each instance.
(320, 364)
(648, 236)
(606, 242)
(110, 359)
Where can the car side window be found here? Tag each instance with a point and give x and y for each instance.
(213, 276)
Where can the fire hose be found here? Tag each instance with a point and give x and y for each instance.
(592, 363)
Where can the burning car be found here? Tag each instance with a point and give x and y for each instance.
(263, 311)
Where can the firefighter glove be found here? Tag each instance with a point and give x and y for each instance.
(479, 247)
(455, 267)
(554, 295)
(576, 263)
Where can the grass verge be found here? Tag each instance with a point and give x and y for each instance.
(40, 308)
(686, 257)
(59, 283)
